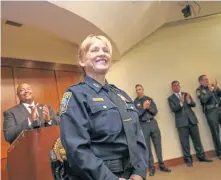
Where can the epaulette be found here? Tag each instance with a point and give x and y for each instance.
(113, 86)
(77, 84)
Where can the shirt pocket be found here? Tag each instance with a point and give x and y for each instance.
(133, 113)
(105, 118)
(131, 107)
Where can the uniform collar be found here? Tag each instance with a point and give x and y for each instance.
(140, 97)
(95, 85)
(204, 87)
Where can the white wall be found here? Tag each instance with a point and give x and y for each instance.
(34, 44)
(176, 52)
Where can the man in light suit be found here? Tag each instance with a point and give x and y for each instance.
(26, 115)
(181, 104)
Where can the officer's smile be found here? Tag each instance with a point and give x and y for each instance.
(101, 61)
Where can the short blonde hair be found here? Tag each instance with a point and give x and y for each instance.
(85, 45)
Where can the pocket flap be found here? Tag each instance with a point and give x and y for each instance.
(101, 106)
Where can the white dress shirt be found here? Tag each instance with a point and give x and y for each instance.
(27, 106)
(179, 95)
(29, 110)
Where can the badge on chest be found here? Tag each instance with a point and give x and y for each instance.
(123, 98)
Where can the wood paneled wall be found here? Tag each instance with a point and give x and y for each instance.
(48, 80)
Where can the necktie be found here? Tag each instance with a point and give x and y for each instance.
(36, 114)
(127, 125)
(179, 95)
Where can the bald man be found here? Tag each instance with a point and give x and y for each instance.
(28, 114)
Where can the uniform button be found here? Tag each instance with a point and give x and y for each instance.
(104, 107)
(132, 107)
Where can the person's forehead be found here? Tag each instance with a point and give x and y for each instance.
(97, 42)
(139, 88)
(176, 84)
(23, 86)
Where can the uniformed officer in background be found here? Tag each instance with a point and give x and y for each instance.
(147, 110)
(209, 95)
(99, 124)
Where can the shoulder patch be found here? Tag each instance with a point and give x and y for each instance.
(77, 84)
(113, 86)
(64, 102)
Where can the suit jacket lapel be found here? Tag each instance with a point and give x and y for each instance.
(23, 110)
(176, 99)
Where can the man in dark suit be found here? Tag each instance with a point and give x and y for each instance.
(186, 123)
(26, 115)
(147, 111)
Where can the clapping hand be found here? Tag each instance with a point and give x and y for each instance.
(211, 87)
(46, 114)
(146, 104)
(182, 99)
(135, 177)
(188, 97)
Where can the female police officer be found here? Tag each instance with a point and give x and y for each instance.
(99, 123)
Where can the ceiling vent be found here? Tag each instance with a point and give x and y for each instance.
(12, 23)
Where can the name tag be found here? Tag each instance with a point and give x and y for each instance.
(97, 99)
(126, 120)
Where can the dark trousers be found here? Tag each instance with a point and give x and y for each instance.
(192, 131)
(151, 131)
(214, 120)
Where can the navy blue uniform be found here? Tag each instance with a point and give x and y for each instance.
(150, 128)
(211, 103)
(92, 131)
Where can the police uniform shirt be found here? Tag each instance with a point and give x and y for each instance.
(92, 131)
(208, 97)
(145, 114)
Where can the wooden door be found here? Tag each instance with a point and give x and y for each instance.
(8, 100)
(43, 83)
(66, 79)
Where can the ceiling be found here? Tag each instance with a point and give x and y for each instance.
(125, 23)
